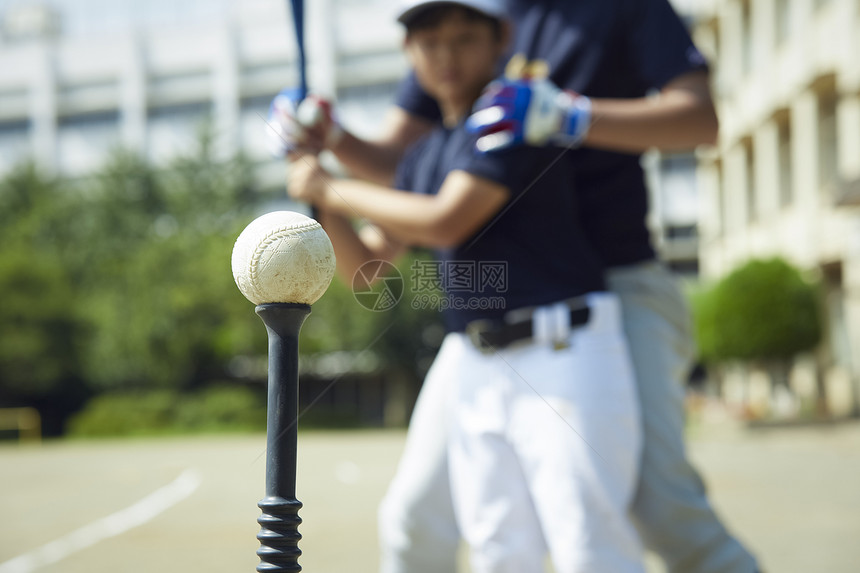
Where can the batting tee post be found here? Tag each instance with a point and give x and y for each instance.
(279, 535)
(282, 262)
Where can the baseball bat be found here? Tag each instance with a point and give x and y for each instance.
(298, 8)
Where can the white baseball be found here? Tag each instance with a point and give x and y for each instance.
(283, 256)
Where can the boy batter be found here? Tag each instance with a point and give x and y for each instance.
(543, 421)
(613, 51)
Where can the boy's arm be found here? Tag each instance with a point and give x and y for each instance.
(680, 117)
(463, 205)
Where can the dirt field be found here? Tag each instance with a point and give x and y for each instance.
(189, 504)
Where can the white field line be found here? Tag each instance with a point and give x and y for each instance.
(106, 527)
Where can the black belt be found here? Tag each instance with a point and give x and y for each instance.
(489, 335)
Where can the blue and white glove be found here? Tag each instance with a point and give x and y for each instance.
(531, 111)
(306, 126)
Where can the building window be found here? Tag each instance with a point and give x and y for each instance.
(786, 196)
(255, 132)
(746, 38)
(726, 222)
(688, 267)
(828, 154)
(838, 343)
(783, 21)
(174, 131)
(95, 17)
(716, 55)
(86, 141)
(679, 200)
(749, 181)
(719, 226)
(682, 232)
(14, 143)
(179, 89)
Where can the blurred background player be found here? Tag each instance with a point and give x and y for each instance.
(617, 53)
(541, 408)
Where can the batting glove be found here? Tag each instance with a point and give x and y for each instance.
(307, 126)
(531, 111)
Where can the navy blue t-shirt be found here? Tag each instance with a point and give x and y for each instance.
(602, 49)
(531, 253)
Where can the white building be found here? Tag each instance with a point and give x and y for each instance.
(80, 77)
(785, 179)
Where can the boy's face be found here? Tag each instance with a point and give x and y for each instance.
(455, 59)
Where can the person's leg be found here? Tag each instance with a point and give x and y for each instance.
(545, 450)
(417, 529)
(671, 510)
(575, 426)
(491, 500)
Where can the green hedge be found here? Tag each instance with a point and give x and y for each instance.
(765, 310)
(217, 409)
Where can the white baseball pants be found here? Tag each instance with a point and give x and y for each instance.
(544, 449)
(417, 527)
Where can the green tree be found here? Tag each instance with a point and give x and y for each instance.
(120, 282)
(40, 330)
(764, 313)
(122, 279)
(764, 310)
(38, 326)
(159, 292)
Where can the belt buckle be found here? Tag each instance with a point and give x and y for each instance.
(474, 331)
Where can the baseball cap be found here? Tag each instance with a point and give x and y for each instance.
(411, 8)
